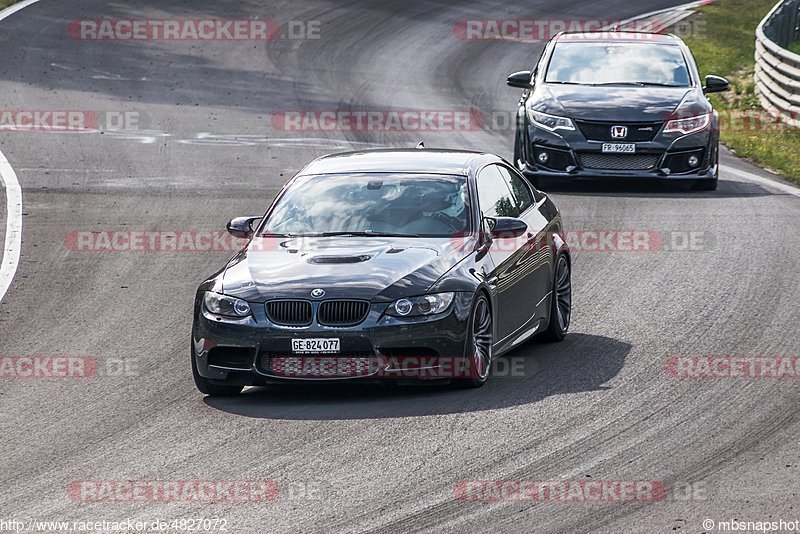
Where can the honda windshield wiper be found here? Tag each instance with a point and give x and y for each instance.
(367, 233)
(639, 84)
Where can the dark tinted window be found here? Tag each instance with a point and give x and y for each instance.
(593, 62)
(520, 189)
(435, 206)
(494, 195)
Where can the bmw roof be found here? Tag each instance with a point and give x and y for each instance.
(412, 161)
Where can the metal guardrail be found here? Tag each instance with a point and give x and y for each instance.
(777, 75)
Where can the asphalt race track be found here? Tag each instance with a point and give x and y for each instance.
(721, 279)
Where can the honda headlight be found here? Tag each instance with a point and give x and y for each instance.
(689, 124)
(224, 305)
(550, 122)
(419, 306)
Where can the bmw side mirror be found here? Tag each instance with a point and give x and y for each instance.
(242, 227)
(521, 79)
(506, 227)
(716, 84)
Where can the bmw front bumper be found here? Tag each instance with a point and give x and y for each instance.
(255, 351)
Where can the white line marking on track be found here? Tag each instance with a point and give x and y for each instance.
(8, 178)
(13, 242)
(750, 177)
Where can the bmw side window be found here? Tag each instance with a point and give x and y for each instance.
(494, 195)
(519, 189)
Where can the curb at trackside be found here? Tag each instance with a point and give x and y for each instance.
(651, 14)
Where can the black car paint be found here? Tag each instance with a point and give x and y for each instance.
(614, 104)
(518, 282)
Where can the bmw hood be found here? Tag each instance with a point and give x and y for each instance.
(616, 103)
(378, 269)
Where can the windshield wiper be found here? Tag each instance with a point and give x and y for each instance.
(367, 233)
(658, 84)
(640, 84)
(601, 84)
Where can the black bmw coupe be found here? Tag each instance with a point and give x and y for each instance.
(617, 104)
(385, 265)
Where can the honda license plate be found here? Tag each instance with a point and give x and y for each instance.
(619, 148)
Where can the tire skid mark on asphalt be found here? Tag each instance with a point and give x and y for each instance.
(445, 513)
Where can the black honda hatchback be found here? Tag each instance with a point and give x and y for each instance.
(617, 105)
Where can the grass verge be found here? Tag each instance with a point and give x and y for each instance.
(726, 47)
(5, 3)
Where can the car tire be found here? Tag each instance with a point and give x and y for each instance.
(207, 387)
(561, 303)
(706, 185)
(478, 353)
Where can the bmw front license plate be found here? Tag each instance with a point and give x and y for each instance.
(325, 345)
(619, 148)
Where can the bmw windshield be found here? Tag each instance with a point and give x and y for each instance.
(372, 204)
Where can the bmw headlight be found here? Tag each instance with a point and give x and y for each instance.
(550, 122)
(224, 305)
(689, 124)
(419, 306)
